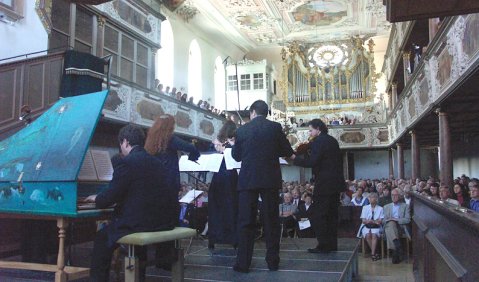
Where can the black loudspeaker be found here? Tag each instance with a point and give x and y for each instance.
(83, 73)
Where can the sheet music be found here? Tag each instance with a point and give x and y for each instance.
(87, 170)
(206, 162)
(213, 162)
(304, 224)
(190, 196)
(230, 162)
(103, 166)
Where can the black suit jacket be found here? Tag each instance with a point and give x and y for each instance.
(258, 145)
(327, 164)
(145, 202)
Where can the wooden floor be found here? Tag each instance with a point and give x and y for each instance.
(296, 265)
(384, 270)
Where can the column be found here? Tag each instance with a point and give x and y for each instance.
(345, 165)
(100, 22)
(302, 175)
(394, 94)
(445, 153)
(406, 65)
(391, 165)
(415, 156)
(400, 158)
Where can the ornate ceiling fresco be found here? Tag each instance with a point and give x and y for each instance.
(274, 22)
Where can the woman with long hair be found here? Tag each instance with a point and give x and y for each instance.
(222, 199)
(162, 143)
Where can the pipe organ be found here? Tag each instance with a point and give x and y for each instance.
(334, 73)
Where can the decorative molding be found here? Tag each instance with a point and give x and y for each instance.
(43, 8)
(110, 10)
(187, 11)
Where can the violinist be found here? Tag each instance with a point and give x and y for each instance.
(222, 195)
(327, 166)
(305, 147)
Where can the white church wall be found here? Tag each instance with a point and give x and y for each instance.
(375, 164)
(183, 36)
(291, 173)
(465, 158)
(371, 164)
(24, 36)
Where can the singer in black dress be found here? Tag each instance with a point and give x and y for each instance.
(222, 196)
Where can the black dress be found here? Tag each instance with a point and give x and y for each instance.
(223, 207)
(165, 252)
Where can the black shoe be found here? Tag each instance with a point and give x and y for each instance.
(273, 266)
(240, 269)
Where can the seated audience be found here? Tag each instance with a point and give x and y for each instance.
(396, 217)
(444, 196)
(286, 211)
(386, 198)
(370, 230)
(160, 89)
(358, 200)
(296, 197)
(173, 92)
(407, 194)
(184, 97)
(474, 202)
(433, 190)
(461, 195)
(304, 213)
(345, 199)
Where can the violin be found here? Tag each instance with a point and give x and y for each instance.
(304, 147)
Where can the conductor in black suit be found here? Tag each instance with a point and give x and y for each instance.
(326, 162)
(143, 201)
(259, 144)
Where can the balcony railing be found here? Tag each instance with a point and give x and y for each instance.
(36, 82)
(451, 56)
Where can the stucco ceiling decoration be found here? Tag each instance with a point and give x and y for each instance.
(273, 22)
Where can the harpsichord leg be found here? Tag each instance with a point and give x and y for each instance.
(60, 275)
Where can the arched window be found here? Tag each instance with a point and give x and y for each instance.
(220, 102)
(164, 58)
(194, 72)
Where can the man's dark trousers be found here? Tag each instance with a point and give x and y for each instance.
(324, 220)
(248, 209)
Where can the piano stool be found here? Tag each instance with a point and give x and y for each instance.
(132, 266)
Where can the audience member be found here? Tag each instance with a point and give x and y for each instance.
(358, 199)
(304, 213)
(396, 216)
(444, 196)
(474, 202)
(286, 211)
(370, 230)
(386, 198)
(461, 195)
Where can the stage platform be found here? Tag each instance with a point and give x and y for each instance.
(202, 265)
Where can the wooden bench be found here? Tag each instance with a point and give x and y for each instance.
(132, 266)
